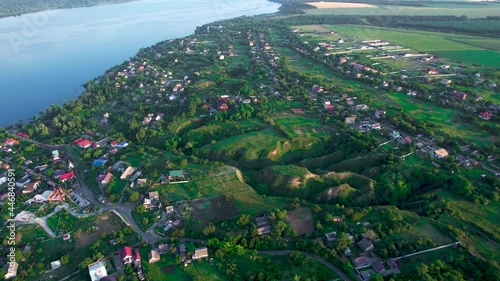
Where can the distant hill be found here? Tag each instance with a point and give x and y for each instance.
(18, 7)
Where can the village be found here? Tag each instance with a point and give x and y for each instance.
(178, 161)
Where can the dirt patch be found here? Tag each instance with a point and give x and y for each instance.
(301, 220)
(215, 209)
(332, 5)
(108, 222)
(168, 269)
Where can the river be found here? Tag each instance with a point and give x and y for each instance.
(45, 57)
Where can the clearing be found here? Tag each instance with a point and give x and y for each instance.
(301, 220)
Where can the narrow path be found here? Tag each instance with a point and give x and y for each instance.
(314, 257)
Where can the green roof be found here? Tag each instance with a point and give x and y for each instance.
(175, 173)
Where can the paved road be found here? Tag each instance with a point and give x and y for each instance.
(314, 257)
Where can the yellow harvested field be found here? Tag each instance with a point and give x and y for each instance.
(332, 5)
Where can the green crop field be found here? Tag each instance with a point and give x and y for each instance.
(480, 57)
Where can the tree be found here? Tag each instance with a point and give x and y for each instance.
(243, 220)
(134, 196)
(209, 229)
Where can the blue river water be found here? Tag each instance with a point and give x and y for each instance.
(45, 57)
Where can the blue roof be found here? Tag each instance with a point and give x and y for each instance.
(99, 162)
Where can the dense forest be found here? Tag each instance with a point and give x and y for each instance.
(15, 7)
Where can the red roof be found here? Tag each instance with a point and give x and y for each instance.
(137, 256)
(125, 252)
(22, 135)
(77, 140)
(297, 110)
(11, 141)
(114, 143)
(84, 143)
(67, 176)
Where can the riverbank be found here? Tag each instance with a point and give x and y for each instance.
(47, 57)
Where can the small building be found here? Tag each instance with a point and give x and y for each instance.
(461, 96)
(440, 153)
(97, 270)
(126, 255)
(405, 140)
(106, 179)
(11, 142)
(154, 195)
(263, 225)
(395, 134)
(99, 162)
(350, 119)
(486, 115)
(154, 256)
(84, 144)
(297, 110)
(169, 209)
(164, 248)
(30, 187)
(378, 267)
(360, 261)
(176, 175)
(67, 176)
(55, 155)
(55, 264)
(331, 236)
(200, 253)
(127, 172)
(366, 245)
(392, 264)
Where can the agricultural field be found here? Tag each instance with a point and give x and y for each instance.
(469, 49)
(471, 11)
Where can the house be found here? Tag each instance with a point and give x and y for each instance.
(376, 126)
(127, 172)
(223, 107)
(57, 195)
(66, 176)
(107, 179)
(97, 270)
(22, 181)
(113, 143)
(154, 256)
(347, 252)
(200, 253)
(331, 236)
(329, 107)
(71, 166)
(169, 209)
(11, 142)
(440, 153)
(12, 270)
(164, 248)
(84, 144)
(366, 245)
(30, 187)
(445, 81)
(55, 155)
(137, 261)
(360, 261)
(486, 115)
(126, 255)
(141, 182)
(378, 267)
(263, 225)
(350, 119)
(404, 140)
(337, 219)
(459, 95)
(22, 135)
(176, 175)
(148, 204)
(181, 249)
(99, 162)
(392, 264)
(122, 144)
(394, 134)
(154, 195)
(297, 110)
(55, 264)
